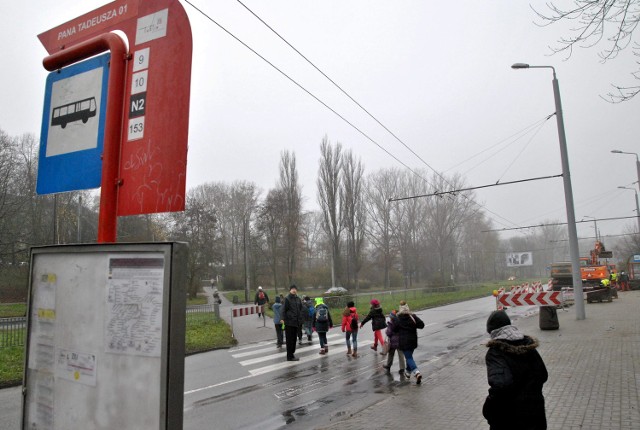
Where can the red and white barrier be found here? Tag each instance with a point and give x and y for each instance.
(249, 310)
(545, 298)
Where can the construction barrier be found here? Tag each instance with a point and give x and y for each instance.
(545, 298)
(248, 310)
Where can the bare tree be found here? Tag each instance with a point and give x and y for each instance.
(479, 249)
(312, 236)
(329, 199)
(292, 194)
(408, 224)
(446, 217)
(382, 186)
(354, 213)
(270, 223)
(607, 22)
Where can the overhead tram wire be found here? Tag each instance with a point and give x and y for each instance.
(306, 91)
(517, 135)
(454, 192)
(360, 106)
(554, 224)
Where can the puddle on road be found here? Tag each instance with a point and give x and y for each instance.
(291, 415)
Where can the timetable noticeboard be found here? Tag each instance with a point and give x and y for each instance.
(105, 343)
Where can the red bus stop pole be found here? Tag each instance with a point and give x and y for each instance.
(107, 219)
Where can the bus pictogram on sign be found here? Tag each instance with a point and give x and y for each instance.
(76, 111)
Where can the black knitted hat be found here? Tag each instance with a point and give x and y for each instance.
(496, 320)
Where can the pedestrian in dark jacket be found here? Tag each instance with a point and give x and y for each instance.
(292, 317)
(394, 345)
(516, 373)
(261, 299)
(407, 327)
(322, 323)
(378, 323)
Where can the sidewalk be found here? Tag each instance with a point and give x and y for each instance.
(594, 378)
(248, 328)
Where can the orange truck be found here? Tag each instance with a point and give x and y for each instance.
(592, 271)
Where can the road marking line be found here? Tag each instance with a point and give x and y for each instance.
(270, 348)
(303, 359)
(266, 369)
(196, 390)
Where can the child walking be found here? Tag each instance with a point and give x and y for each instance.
(322, 323)
(350, 328)
(407, 327)
(394, 344)
(277, 320)
(378, 323)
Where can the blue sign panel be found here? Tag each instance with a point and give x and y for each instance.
(72, 134)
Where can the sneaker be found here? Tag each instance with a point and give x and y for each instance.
(407, 374)
(418, 378)
(322, 352)
(374, 347)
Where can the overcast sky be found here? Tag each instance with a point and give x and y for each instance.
(437, 74)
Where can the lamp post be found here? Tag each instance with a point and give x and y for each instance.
(637, 205)
(617, 151)
(568, 193)
(595, 225)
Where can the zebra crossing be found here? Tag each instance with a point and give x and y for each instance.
(263, 357)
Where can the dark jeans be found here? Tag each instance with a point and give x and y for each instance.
(279, 334)
(322, 335)
(291, 335)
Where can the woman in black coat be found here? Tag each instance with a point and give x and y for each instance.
(516, 374)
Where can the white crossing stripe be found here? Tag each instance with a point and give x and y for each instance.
(303, 359)
(270, 348)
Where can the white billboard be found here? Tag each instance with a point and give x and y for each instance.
(517, 259)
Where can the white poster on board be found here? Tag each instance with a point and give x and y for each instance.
(133, 314)
(517, 259)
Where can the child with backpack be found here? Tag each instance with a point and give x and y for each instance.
(308, 322)
(394, 344)
(322, 323)
(350, 328)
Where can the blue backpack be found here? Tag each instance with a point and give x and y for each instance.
(322, 313)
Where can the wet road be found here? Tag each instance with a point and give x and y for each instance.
(254, 387)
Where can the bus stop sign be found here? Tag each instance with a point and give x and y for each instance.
(155, 124)
(71, 137)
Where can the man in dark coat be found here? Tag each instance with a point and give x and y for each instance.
(293, 315)
(516, 374)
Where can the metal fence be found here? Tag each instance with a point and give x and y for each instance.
(197, 313)
(13, 331)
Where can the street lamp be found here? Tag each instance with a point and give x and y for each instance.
(617, 151)
(595, 224)
(637, 205)
(568, 193)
